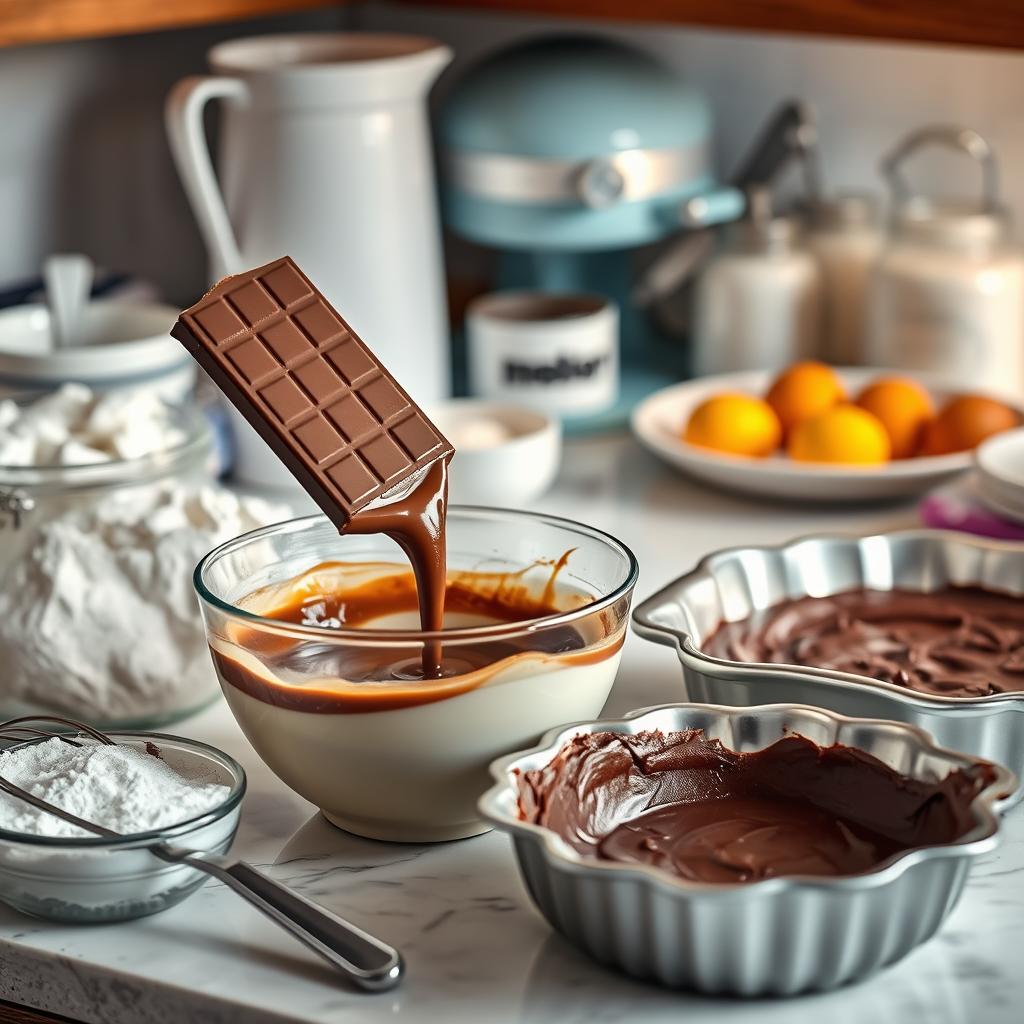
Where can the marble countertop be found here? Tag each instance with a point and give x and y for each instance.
(475, 947)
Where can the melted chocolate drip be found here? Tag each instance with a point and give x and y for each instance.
(955, 642)
(696, 809)
(416, 522)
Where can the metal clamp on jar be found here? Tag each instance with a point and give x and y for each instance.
(14, 506)
(947, 295)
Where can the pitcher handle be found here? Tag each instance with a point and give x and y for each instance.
(183, 116)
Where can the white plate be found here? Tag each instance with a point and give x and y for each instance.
(659, 420)
(1000, 464)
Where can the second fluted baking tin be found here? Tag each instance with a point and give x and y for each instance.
(780, 936)
(730, 585)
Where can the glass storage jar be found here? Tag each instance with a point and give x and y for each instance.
(947, 294)
(70, 640)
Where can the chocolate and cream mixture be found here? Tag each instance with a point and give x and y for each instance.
(381, 677)
(954, 642)
(692, 807)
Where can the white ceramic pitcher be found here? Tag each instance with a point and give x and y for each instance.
(325, 156)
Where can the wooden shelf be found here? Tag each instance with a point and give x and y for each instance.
(998, 23)
(995, 23)
(42, 21)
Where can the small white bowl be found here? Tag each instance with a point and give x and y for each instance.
(124, 345)
(509, 473)
(1000, 465)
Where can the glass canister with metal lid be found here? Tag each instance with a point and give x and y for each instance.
(758, 301)
(845, 236)
(97, 617)
(947, 295)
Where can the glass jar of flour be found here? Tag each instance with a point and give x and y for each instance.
(947, 295)
(98, 620)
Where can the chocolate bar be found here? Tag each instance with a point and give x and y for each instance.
(337, 419)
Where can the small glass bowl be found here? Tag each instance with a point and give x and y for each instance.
(95, 879)
(412, 771)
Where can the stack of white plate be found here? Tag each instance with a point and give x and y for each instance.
(1000, 465)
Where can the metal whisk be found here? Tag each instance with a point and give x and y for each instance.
(366, 961)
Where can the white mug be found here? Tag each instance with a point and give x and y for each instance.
(556, 352)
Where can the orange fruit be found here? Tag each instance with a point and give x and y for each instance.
(803, 391)
(964, 422)
(844, 433)
(734, 423)
(904, 409)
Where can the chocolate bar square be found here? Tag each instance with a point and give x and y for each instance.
(287, 342)
(253, 303)
(291, 365)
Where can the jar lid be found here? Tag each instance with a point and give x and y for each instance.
(122, 343)
(845, 209)
(763, 230)
(948, 222)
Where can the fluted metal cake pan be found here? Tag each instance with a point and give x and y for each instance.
(781, 936)
(730, 585)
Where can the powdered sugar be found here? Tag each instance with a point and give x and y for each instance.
(120, 787)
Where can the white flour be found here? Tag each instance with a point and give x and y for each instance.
(119, 787)
(98, 616)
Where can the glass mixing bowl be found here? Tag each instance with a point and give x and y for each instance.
(406, 759)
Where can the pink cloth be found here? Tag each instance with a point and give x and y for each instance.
(958, 508)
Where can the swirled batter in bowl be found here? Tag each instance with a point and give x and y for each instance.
(954, 642)
(692, 807)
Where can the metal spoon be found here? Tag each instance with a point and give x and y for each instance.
(68, 280)
(366, 961)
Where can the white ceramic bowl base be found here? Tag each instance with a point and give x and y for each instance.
(357, 768)
(124, 346)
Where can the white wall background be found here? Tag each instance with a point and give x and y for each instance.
(84, 164)
(865, 95)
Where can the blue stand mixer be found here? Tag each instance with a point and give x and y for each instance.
(567, 154)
